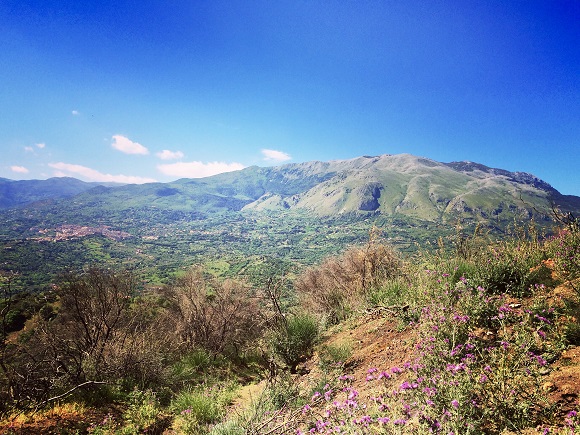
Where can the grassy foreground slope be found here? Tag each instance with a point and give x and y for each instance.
(478, 337)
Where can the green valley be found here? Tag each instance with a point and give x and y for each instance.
(293, 215)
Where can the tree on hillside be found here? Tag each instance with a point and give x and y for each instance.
(218, 316)
(79, 345)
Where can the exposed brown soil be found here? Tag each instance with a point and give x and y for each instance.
(563, 383)
(376, 343)
(61, 421)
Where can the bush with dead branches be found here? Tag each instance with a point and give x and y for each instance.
(221, 317)
(99, 334)
(340, 284)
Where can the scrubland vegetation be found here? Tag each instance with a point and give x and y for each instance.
(479, 325)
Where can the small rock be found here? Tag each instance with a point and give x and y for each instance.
(548, 386)
(568, 390)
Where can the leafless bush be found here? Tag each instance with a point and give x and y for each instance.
(93, 315)
(147, 344)
(96, 336)
(218, 316)
(340, 284)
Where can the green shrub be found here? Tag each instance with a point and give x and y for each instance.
(193, 365)
(142, 413)
(335, 355)
(13, 321)
(294, 339)
(198, 407)
(572, 332)
(508, 266)
(391, 292)
(230, 427)
(281, 391)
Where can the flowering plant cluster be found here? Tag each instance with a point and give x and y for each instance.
(476, 369)
(566, 254)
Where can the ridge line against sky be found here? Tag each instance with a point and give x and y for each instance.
(135, 92)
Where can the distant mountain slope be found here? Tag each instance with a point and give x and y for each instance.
(18, 193)
(420, 188)
(229, 191)
(387, 185)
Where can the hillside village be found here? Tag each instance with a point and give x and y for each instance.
(65, 232)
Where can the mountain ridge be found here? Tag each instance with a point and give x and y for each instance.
(388, 184)
(16, 193)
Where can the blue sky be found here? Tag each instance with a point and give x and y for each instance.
(135, 91)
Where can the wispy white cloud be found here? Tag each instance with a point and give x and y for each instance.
(169, 155)
(69, 170)
(19, 169)
(277, 156)
(197, 169)
(75, 112)
(127, 146)
(30, 149)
